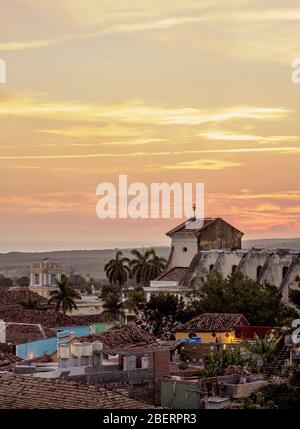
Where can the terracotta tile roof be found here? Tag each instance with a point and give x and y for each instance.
(18, 334)
(40, 393)
(120, 337)
(7, 359)
(181, 229)
(210, 322)
(176, 274)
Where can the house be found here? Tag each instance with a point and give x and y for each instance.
(44, 276)
(213, 327)
(23, 392)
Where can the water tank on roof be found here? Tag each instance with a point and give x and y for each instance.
(97, 347)
(131, 361)
(125, 363)
(2, 331)
(87, 349)
(76, 349)
(63, 351)
(145, 361)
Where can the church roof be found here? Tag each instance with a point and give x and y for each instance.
(175, 274)
(186, 227)
(182, 229)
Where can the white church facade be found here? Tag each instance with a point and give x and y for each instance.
(217, 246)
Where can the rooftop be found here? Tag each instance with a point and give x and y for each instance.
(121, 337)
(40, 393)
(186, 228)
(210, 322)
(175, 274)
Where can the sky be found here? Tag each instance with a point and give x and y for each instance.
(163, 91)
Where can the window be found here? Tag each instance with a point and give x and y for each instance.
(284, 272)
(36, 279)
(184, 249)
(258, 271)
(52, 279)
(211, 267)
(234, 268)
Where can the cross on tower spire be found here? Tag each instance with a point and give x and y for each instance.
(194, 209)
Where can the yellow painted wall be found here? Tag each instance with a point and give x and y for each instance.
(207, 337)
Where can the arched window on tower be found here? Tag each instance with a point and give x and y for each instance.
(233, 269)
(284, 272)
(211, 267)
(258, 271)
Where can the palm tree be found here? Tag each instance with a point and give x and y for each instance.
(117, 270)
(146, 266)
(157, 265)
(113, 307)
(265, 348)
(136, 297)
(139, 265)
(64, 296)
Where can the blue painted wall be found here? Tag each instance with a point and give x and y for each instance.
(48, 345)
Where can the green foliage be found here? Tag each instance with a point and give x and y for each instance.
(161, 314)
(23, 281)
(117, 270)
(5, 282)
(135, 298)
(146, 266)
(64, 296)
(265, 348)
(79, 282)
(106, 289)
(294, 294)
(216, 363)
(260, 304)
(183, 366)
(113, 307)
(31, 303)
(273, 396)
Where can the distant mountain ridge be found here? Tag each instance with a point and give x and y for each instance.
(84, 262)
(92, 262)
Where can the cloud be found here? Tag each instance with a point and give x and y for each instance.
(227, 136)
(131, 112)
(199, 164)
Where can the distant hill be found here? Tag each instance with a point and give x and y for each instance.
(273, 243)
(84, 262)
(92, 262)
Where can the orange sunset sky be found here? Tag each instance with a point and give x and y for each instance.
(163, 91)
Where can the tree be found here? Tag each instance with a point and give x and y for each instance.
(23, 281)
(64, 297)
(294, 294)
(265, 348)
(5, 282)
(106, 289)
(31, 303)
(146, 266)
(79, 282)
(117, 270)
(113, 307)
(273, 396)
(216, 363)
(135, 298)
(260, 304)
(161, 314)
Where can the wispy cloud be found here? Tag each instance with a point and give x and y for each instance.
(232, 137)
(198, 164)
(132, 112)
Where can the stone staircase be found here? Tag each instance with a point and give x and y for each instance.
(276, 365)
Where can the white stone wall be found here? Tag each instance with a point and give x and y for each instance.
(183, 258)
